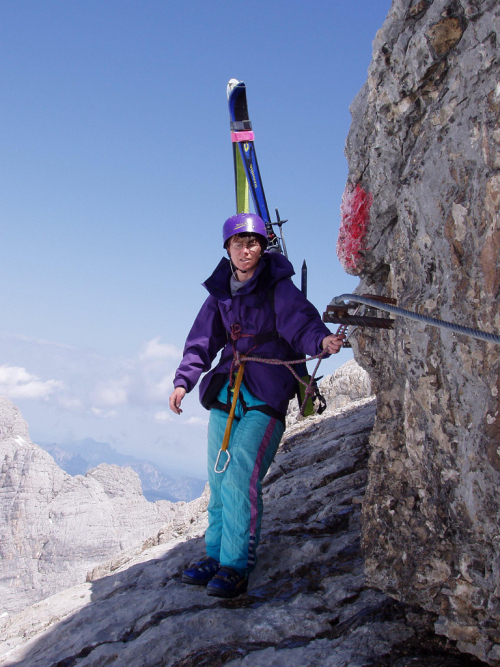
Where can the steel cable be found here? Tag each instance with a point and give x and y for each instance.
(457, 328)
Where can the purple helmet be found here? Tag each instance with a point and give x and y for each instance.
(244, 222)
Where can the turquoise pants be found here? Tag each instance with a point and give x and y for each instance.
(235, 507)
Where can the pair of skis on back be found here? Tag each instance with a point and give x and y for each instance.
(248, 180)
(246, 171)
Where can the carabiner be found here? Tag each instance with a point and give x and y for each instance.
(218, 457)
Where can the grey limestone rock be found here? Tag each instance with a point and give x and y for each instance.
(80, 456)
(424, 153)
(348, 383)
(308, 604)
(54, 527)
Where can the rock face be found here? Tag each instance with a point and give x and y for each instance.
(308, 604)
(157, 485)
(420, 224)
(54, 527)
(349, 383)
(79, 457)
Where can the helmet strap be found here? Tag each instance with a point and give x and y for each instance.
(234, 269)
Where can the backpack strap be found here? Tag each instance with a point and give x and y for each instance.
(271, 293)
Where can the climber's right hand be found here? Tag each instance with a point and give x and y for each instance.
(175, 400)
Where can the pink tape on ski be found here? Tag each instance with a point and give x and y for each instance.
(242, 136)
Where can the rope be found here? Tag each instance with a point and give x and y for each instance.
(309, 386)
(236, 334)
(239, 359)
(443, 324)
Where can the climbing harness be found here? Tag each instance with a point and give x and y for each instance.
(239, 361)
(337, 311)
(309, 386)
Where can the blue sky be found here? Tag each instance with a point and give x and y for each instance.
(117, 177)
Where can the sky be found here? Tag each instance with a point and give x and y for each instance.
(117, 176)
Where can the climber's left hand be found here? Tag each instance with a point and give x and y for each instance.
(332, 343)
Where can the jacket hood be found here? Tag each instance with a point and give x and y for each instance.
(272, 267)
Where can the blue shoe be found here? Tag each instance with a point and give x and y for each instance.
(201, 573)
(227, 583)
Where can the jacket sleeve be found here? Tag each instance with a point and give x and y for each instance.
(297, 320)
(206, 338)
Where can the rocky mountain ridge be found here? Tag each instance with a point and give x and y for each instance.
(54, 527)
(307, 605)
(345, 385)
(77, 458)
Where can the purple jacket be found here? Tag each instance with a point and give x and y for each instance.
(295, 319)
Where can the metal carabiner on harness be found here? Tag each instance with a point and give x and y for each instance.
(226, 463)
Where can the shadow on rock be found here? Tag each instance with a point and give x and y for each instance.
(307, 602)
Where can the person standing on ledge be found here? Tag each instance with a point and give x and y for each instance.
(252, 305)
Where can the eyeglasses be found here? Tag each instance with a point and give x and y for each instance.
(250, 245)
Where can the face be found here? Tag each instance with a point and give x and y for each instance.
(245, 253)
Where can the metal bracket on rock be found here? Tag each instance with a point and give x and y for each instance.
(384, 303)
(337, 312)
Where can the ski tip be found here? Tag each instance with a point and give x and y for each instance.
(232, 84)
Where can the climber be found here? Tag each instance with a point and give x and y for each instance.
(240, 316)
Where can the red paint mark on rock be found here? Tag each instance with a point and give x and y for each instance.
(355, 216)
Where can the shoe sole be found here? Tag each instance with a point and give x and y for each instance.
(226, 594)
(194, 582)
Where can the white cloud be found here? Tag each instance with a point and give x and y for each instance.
(112, 393)
(118, 399)
(163, 416)
(153, 349)
(16, 382)
(90, 381)
(105, 414)
(71, 403)
(195, 421)
(39, 341)
(159, 392)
